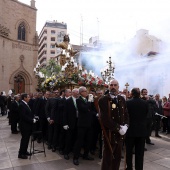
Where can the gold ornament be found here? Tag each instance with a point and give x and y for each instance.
(113, 106)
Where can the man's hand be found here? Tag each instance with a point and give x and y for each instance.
(66, 127)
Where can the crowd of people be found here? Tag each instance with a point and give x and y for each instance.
(78, 119)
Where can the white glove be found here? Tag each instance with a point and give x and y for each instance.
(66, 127)
(37, 118)
(34, 120)
(121, 131)
(48, 119)
(124, 128)
(97, 115)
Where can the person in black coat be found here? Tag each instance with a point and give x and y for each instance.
(137, 131)
(56, 117)
(40, 112)
(61, 108)
(84, 126)
(15, 114)
(26, 125)
(2, 103)
(50, 117)
(70, 118)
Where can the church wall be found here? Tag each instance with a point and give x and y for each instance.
(11, 49)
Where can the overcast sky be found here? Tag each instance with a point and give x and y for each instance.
(115, 20)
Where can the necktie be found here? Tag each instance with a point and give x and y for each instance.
(114, 100)
(75, 104)
(157, 104)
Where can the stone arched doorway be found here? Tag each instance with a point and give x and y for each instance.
(20, 81)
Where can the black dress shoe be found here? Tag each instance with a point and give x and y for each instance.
(150, 143)
(28, 154)
(88, 158)
(75, 161)
(22, 156)
(53, 149)
(66, 157)
(158, 136)
(145, 149)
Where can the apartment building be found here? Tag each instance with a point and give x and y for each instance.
(52, 32)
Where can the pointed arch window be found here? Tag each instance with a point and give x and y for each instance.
(21, 31)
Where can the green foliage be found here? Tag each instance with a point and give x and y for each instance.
(51, 68)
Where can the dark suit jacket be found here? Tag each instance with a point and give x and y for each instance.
(70, 114)
(15, 110)
(26, 117)
(49, 108)
(85, 113)
(40, 108)
(31, 103)
(119, 116)
(137, 109)
(58, 110)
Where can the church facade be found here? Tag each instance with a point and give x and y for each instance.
(18, 46)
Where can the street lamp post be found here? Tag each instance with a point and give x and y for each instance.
(18, 79)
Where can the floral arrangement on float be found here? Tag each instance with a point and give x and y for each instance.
(90, 79)
(82, 78)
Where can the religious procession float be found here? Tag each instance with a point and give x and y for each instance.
(66, 72)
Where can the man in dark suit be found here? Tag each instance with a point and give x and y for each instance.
(56, 114)
(15, 114)
(61, 107)
(70, 118)
(32, 100)
(84, 126)
(51, 117)
(115, 120)
(40, 112)
(137, 131)
(26, 125)
(150, 115)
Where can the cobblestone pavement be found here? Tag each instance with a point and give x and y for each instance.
(156, 158)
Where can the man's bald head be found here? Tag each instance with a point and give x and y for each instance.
(114, 87)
